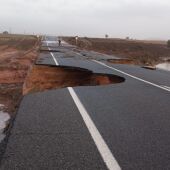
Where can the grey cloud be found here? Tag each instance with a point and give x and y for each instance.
(118, 18)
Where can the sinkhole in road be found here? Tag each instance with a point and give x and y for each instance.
(45, 77)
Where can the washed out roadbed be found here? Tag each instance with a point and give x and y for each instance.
(17, 55)
(45, 77)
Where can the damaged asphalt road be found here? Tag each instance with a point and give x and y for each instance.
(116, 126)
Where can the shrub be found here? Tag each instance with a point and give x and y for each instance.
(168, 43)
(106, 36)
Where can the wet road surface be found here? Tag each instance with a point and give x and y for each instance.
(119, 126)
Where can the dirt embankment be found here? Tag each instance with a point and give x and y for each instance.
(17, 54)
(140, 52)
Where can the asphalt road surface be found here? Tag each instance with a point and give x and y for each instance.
(119, 126)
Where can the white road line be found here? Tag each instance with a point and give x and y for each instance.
(105, 152)
(54, 59)
(166, 87)
(137, 78)
(52, 55)
(102, 147)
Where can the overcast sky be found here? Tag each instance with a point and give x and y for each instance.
(142, 19)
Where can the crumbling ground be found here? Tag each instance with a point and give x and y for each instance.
(17, 55)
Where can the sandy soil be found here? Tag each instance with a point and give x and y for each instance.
(17, 54)
(141, 52)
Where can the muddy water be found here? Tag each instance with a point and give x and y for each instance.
(164, 66)
(4, 120)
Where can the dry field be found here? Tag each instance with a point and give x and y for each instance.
(140, 52)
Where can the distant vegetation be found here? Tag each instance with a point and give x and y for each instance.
(5, 32)
(106, 36)
(168, 43)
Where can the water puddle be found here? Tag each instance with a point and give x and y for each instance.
(164, 66)
(50, 42)
(46, 77)
(4, 121)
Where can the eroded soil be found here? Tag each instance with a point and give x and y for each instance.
(122, 61)
(43, 78)
(17, 54)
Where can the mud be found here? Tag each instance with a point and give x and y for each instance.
(122, 61)
(17, 54)
(43, 78)
(10, 96)
(131, 62)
